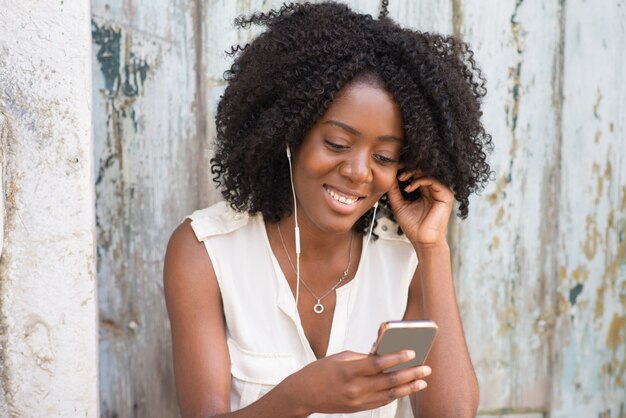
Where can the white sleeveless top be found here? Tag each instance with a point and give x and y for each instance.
(265, 337)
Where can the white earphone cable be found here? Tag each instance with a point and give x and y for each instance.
(369, 234)
(296, 228)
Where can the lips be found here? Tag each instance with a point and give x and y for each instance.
(341, 197)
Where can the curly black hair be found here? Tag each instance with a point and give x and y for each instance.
(282, 82)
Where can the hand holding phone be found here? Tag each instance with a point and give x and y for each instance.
(405, 335)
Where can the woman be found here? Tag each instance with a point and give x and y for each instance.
(327, 113)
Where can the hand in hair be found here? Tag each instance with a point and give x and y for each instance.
(425, 220)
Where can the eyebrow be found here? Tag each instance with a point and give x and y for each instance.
(353, 131)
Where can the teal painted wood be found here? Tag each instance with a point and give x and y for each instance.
(504, 254)
(148, 155)
(589, 354)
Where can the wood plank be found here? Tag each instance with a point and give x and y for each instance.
(504, 256)
(589, 352)
(148, 151)
(435, 16)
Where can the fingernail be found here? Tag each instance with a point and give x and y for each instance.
(410, 355)
(407, 188)
(427, 370)
(421, 385)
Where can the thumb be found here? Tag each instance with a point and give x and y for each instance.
(395, 195)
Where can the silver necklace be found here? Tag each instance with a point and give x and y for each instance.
(318, 308)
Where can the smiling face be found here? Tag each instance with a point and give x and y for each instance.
(349, 158)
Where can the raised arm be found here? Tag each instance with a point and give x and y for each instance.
(452, 388)
(345, 382)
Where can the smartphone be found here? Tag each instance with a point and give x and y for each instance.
(396, 336)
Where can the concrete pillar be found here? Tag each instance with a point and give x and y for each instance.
(48, 327)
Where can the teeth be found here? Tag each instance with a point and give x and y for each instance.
(339, 198)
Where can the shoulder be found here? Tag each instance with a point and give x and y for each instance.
(189, 281)
(186, 250)
(186, 257)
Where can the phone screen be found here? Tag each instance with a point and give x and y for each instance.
(396, 336)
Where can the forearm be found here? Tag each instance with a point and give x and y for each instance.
(280, 402)
(452, 388)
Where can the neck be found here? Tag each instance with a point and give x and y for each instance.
(316, 244)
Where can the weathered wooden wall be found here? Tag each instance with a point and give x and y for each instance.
(540, 264)
(505, 257)
(148, 161)
(589, 347)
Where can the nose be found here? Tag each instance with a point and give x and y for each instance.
(357, 168)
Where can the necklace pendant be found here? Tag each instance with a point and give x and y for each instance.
(318, 308)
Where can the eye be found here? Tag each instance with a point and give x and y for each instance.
(383, 159)
(335, 146)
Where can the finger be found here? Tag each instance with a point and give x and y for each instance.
(429, 187)
(394, 195)
(405, 175)
(389, 380)
(378, 363)
(423, 181)
(385, 396)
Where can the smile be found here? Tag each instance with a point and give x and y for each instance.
(341, 197)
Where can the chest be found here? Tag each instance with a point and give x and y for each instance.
(317, 327)
(258, 295)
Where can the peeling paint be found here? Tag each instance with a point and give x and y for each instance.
(508, 320)
(619, 260)
(592, 238)
(500, 192)
(108, 55)
(574, 293)
(580, 274)
(495, 243)
(615, 368)
(596, 105)
(599, 308)
(500, 216)
(128, 78)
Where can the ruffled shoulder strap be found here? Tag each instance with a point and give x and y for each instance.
(387, 230)
(218, 219)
